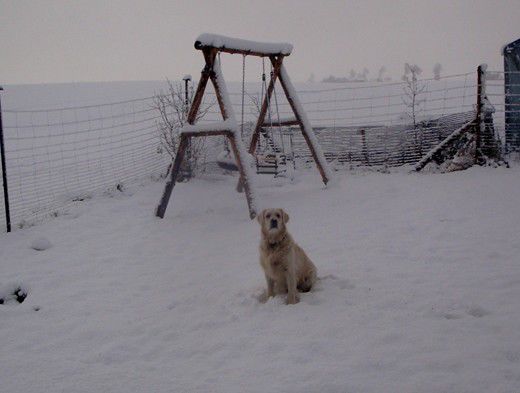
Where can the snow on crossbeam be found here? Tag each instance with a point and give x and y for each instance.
(282, 122)
(217, 126)
(246, 47)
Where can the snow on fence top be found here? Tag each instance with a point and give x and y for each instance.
(236, 45)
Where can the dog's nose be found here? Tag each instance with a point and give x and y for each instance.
(274, 223)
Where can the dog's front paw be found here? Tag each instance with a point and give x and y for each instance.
(292, 299)
(264, 297)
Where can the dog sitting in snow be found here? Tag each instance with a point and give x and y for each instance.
(286, 267)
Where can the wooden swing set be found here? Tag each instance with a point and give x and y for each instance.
(211, 45)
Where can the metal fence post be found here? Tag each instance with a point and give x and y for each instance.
(188, 163)
(481, 92)
(4, 171)
(364, 148)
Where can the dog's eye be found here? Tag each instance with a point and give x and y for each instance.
(268, 215)
(277, 215)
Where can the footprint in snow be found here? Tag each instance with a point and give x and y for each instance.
(12, 293)
(41, 244)
(477, 311)
(340, 283)
(459, 312)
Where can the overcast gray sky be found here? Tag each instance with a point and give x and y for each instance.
(64, 41)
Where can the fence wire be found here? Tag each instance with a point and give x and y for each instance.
(60, 155)
(370, 123)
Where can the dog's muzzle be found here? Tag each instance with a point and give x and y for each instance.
(274, 224)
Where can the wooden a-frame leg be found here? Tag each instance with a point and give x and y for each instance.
(305, 127)
(163, 204)
(201, 87)
(243, 178)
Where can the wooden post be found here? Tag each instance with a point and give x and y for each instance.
(218, 93)
(163, 204)
(243, 180)
(201, 87)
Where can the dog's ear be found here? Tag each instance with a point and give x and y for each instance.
(285, 216)
(260, 217)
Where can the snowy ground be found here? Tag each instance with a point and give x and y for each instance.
(420, 290)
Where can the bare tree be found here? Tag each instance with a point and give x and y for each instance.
(437, 68)
(412, 91)
(173, 110)
(363, 76)
(381, 73)
(256, 103)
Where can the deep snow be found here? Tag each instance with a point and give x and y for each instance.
(420, 290)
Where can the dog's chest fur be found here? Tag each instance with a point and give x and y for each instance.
(275, 259)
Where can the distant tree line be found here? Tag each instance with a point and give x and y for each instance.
(364, 76)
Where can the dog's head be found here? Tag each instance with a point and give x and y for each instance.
(273, 222)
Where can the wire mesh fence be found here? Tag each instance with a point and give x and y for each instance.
(370, 123)
(61, 155)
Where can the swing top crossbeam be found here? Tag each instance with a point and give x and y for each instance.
(245, 47)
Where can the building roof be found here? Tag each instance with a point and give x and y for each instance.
(511, 46)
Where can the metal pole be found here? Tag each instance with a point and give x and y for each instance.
(187, 102)
(187, 79)
(481, 92)
(4, 171)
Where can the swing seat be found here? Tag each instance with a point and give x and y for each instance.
(270, 164)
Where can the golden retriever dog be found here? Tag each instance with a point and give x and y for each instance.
(286, 267)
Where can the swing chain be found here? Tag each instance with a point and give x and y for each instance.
(243, 94)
